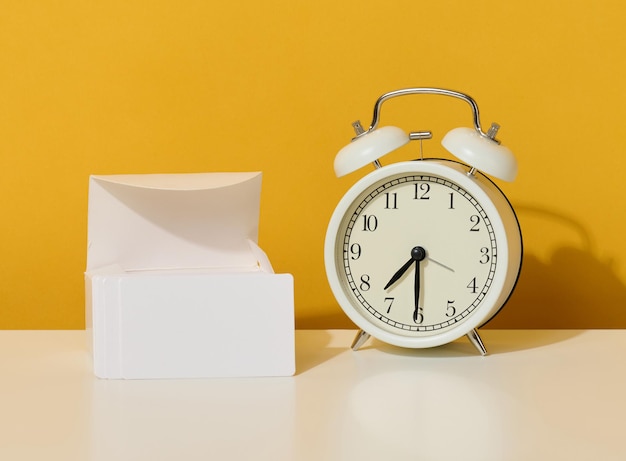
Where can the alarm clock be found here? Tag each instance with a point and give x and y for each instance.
(420, 253)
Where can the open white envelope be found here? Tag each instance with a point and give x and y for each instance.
(176, 286)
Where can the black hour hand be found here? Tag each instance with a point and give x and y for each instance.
(399, 273)
(417, 254)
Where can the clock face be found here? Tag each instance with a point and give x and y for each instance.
(417, 253)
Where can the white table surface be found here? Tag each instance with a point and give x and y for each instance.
(553, 395)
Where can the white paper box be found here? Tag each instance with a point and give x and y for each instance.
(176, 286)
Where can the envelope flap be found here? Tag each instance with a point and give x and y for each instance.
(173, 221)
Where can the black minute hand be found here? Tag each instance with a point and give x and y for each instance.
(416, 288)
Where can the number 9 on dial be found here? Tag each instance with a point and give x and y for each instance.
(420, 253)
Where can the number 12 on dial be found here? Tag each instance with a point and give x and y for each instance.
(420, 253)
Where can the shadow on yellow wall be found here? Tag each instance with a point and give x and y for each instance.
(571, 287)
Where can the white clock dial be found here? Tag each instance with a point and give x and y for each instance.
(420, 254)
(456, 253)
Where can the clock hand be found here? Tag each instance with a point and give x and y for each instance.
(440, 264)
(399, 273)
(417, 291)
(417, 254)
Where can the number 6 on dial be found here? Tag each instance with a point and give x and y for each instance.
(421, 253)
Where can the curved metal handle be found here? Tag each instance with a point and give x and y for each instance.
(491, 134)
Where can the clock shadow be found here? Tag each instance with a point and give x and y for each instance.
(496, 342)
(315, 347)
(571, 288)
(452, 350)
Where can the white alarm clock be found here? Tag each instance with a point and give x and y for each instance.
(420, 253)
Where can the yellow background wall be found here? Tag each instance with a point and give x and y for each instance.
(129, 86)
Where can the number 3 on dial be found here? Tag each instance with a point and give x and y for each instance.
(420, 253)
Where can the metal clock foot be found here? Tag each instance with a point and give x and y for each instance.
(477, 342)
(360, 339)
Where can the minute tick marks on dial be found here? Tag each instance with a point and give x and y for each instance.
(387, 220)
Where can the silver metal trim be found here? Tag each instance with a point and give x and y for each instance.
(413, 135)
(360, 339)
(428, 90)
(474, 338)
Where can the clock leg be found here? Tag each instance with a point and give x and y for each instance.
(360, 339)
(477, 342)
